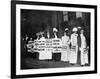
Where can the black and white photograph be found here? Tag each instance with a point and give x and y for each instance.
(54, 39)
(51, 39)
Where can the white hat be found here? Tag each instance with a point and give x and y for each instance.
(79, 27)
(54, 29)
(74, 29)
(66, 29)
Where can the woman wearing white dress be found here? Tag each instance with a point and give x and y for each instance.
(74, 47)
(83, 49)
(65, 47)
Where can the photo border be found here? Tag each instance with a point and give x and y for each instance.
(13, 38)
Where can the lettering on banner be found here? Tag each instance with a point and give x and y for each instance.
(39, 46)
(56, 44)
(48, 45)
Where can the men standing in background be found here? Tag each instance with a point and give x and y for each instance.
(37, 34)
(30, 45)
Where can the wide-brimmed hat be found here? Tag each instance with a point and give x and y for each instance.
(79, 27)
(75, 29)
(66, 29)
(55, 30)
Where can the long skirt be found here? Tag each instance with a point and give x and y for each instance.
(84, 57)
(65, 54)
(73, 55)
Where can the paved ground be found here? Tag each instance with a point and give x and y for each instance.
(31, 63)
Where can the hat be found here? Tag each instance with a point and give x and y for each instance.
(79, 27)
(54, 29)
(74, 29)
(66, 29)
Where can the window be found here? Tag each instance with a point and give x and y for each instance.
(65, 14)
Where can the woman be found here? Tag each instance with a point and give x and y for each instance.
(65, 46)
(56, 45)
(83, 49)
(74, 47)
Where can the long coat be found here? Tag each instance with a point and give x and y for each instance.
(74, 49)
(84, 50)
(65, 48)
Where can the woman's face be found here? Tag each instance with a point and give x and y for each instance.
(75, 31)
(31, 39)
(64, 33)
(82, 31)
